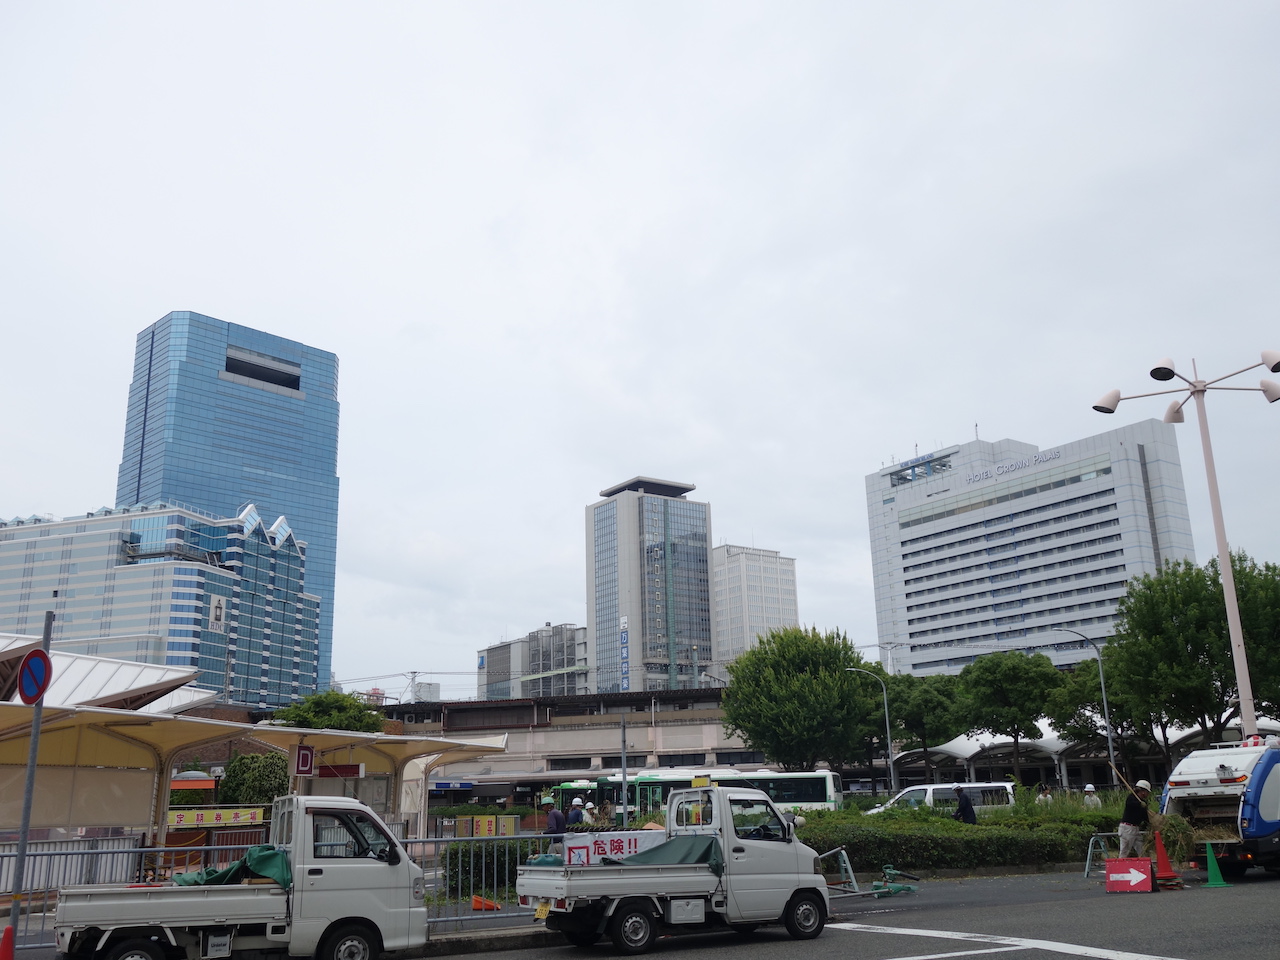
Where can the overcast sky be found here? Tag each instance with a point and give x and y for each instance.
(762, 248)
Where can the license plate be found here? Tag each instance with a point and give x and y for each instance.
(544, 908)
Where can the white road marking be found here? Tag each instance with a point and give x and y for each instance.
(957, 953)
(1073, 949)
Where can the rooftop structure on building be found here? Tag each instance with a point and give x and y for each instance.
(221, 415)
(754, 592)
(649, 605)
(170, 585)
(988, 546)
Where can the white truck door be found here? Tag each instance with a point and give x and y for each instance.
(345, 873)
(760, 863)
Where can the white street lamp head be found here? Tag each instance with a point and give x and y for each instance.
(1270, 390)
(1109, 402)
(1174, 413)
(1271, 359)
(1163, 370)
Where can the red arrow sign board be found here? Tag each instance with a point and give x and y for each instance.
(1130, 875)
(34, 675)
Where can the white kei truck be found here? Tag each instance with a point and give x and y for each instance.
(731, 860)
(354, 893)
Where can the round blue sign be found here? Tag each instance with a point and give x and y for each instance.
(33, 676)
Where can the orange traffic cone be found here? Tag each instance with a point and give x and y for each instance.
(6, 944)
(477, 903)
(1165, 875)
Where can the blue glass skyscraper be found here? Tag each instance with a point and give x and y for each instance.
(221, 416)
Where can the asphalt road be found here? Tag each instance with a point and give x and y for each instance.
(1033, 917)
(1017, 918)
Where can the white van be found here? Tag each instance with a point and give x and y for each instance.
(982, 795)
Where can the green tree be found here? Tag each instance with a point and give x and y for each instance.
(1171, 656)
(927, 710)
(792, 699)
(255, 779)
(331, 710)
(1005, 694)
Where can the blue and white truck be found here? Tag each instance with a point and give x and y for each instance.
(1236, 788)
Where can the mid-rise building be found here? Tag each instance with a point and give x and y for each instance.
(171, 585)
(1000, 546)
(547, 662)
(754, 592)
(649, 620)
(222, 415)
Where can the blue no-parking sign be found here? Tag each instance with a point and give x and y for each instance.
(33, 676)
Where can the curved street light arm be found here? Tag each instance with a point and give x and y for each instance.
(1106, 710)
(888, 732)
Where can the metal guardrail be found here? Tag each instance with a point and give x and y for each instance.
(469, 880)
(59, 864)
(473, 879)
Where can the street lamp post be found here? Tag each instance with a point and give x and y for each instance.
(888, 733)
(1106, 712)
(1195, 389)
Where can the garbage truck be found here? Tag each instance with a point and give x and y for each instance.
(1231, 793)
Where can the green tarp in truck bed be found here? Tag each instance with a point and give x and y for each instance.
(699, 848)
(263, 860)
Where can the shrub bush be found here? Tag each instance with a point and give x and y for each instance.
(487, 868)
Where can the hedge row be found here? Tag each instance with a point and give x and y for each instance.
(936, 843)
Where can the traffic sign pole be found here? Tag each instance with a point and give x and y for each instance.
(29, 790)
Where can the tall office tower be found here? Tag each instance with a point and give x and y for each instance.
(163, 584)
(755, 591)
(648, 586)
(996, 546)
(547, 662)
(220, 416)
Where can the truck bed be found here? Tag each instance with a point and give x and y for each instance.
(610, 880)
(115, 905)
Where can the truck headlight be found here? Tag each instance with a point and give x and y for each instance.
(419, 889)
(817, 865)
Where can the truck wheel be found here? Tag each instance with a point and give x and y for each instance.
(805, 915)
(632, 928)
(351, 942)
(137, 949)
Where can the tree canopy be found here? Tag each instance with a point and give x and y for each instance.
(1006, 694)
(255, 779)
(332, 710)
(793, 699)
(1170, 662)
(927, 710)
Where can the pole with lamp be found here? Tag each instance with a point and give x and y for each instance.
(1106, 712)
(888, 733)
(1195, 389)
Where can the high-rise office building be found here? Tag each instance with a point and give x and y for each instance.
(173, 585)
(648, 586)
(998, 546)
(754, 592)
(220, 416)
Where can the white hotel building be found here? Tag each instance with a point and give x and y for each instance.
(996, 546)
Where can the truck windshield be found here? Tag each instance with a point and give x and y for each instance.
(754, 819)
